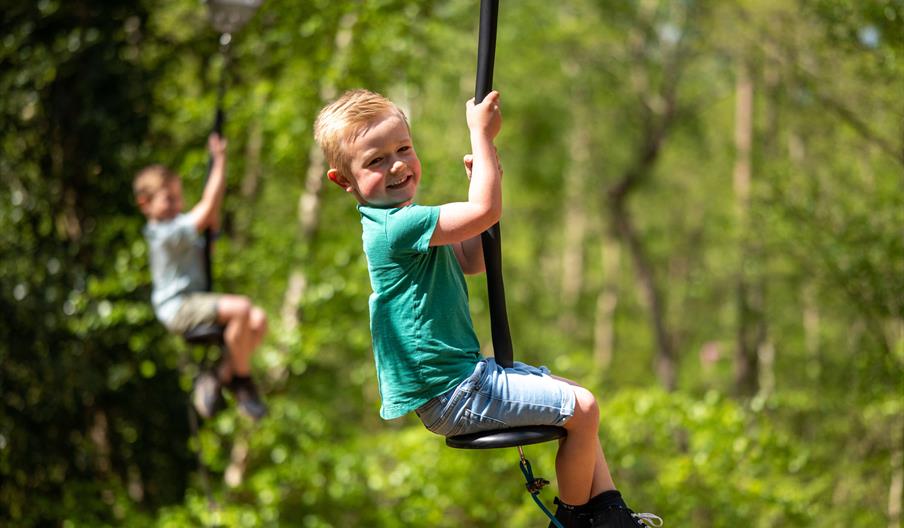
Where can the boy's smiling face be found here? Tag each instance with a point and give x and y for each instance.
(384, 170)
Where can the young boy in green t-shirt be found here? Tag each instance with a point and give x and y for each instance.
(426, 352)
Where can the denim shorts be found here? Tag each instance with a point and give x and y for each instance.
(493, 397)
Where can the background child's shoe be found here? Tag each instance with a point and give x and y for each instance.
(207, 395)
(247, 399)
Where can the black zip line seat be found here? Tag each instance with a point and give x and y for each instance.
(205, 334)
(511, 437)
(491, 240)
(227, 17)
(210, 333)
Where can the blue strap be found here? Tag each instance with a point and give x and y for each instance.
(534, 485)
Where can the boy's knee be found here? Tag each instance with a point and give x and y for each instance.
(243, 307)
(586, 408)
(235, 308)
(258, 319)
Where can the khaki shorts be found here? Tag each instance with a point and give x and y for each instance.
(196, 309)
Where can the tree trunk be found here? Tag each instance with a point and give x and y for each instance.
(575, 207)
(250, 182)
(656, 129)
(896, 486)
(658, 108)
(309, 202)
(238, 462)
(308, 222)
(606, 303)
(747, 296)
(99, 433)
(811, 324)
(665, 364)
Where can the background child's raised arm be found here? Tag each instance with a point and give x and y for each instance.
(460, 221)
(207, 210)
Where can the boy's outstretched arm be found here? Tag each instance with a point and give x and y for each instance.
(207, 210)
(462, 221)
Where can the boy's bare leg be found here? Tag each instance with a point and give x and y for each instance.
(257, 322)
(581, 468)
(234, 311)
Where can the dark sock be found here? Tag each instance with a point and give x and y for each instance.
(567, 515)
(563, 505)
(605, 500)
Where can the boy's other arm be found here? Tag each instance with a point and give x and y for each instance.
(469, 254)
(207, 210)
(461, 221)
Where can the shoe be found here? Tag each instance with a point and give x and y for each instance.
(570, 516)
(247, 400)
(207, 395)
(620, 517)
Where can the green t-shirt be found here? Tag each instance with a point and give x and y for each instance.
(423, 338)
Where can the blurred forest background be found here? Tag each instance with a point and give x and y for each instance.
(704, 205)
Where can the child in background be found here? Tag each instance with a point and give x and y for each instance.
(176, 249)
(426, 352)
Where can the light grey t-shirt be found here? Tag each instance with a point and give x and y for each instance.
(176, 252)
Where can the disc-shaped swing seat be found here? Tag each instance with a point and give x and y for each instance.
(512, 437)
(205, 334)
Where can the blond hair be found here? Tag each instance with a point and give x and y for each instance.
(341, 121)
(151, 179)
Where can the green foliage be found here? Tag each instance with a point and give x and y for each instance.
(93, 392)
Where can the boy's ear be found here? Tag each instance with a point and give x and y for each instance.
(142, 201)
(339, 179)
